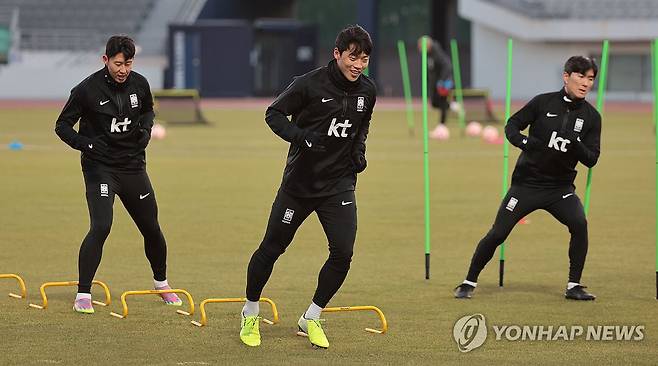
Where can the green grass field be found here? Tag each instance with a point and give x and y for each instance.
(215, 186)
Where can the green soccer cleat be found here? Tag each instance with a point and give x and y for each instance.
(249, 332)
(313, 329)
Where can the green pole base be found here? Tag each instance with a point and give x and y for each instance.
(427, 266)
(501, 272)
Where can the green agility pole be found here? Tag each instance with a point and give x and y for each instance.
(508, 107)
(600, 96)
(454, 50)
(654, 56)
(653, 71)
(404, 68)
(426, 162)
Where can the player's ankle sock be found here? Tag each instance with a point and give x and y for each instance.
(571, 285)
(160, 284)
(313, 312)
(250, 308)
(82, 295)
(467, 282)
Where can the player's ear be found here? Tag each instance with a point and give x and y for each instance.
(336, 53)
(565, 77)
(105, 59)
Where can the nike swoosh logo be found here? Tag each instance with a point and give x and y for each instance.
(567, 195)
(91, 146)
(104, 103)
(525, 141)
(549, 114)
(308, 143)
(326, 100)
(345, 203)
(142, 196)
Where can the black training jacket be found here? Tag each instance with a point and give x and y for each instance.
(112, 111)
(562, 133)
(324, 103)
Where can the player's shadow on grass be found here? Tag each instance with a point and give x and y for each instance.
(518, 288)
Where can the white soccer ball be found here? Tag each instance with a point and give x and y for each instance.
(441, 132)
(473, 128)
(490, 134)
(158, 132)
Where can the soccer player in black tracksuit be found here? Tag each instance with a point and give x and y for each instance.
(331, 109)
(564, 130)
(115, 110)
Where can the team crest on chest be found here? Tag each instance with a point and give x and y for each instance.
(134, 103)
(360, 104)
(578, 127)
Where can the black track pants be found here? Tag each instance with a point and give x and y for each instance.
(337, 215)
(520, 201)
(137, 195)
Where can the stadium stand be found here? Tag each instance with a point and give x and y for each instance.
(62, 40)
(583, 9)
(75, 24)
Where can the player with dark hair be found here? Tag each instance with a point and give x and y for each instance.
(331, 109)
(564, 130)
(115, 109)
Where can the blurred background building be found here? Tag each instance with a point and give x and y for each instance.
(234, 48)
(547, 32)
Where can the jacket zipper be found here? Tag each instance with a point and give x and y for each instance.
(344, 104)
(119, 104)
(564, 121)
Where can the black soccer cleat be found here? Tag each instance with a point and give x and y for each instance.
(578, 292)
(464, 291)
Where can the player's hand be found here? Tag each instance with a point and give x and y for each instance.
(530, 143)
(443, 87)
(359, 162)
(144, 138)
(94, 146)
(314, 141)
(572, 136)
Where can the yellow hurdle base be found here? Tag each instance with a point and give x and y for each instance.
(21, 284)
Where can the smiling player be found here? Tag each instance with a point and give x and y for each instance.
(331, 109)
(115, 109)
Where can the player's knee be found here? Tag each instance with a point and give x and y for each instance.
(340, 259)
(340, 265)
(496, 236)
(269, 253)
(153, 232)
(578, 224)
(100, 230)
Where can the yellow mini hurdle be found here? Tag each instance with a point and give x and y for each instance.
(154, 292)
(204, 319)
(43, 287)
(382, 318)
(21, 283)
